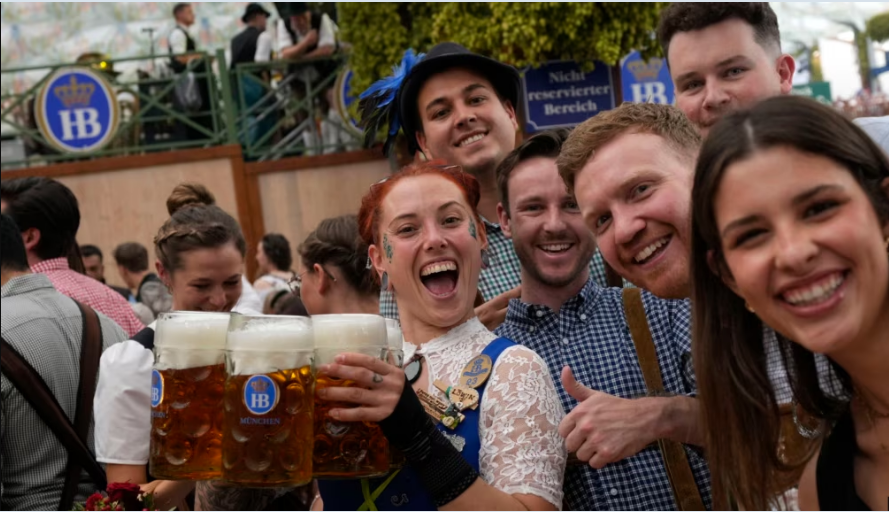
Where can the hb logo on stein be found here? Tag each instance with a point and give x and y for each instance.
(260, 394)
(157, 388)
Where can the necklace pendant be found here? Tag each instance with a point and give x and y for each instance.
(413, 369)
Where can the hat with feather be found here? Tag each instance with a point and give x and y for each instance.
(392, 101)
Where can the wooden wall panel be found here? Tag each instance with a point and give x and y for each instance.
(130, 205)
(294, 202)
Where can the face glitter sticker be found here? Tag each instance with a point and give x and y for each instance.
(387, 248)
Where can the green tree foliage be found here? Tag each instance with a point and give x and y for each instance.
(521, 34)
(878, 27)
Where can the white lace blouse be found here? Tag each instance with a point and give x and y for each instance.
(521, 450)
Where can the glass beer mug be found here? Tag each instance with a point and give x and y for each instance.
(186, 396)
(347, 449)
(269, 397)
(396, 358)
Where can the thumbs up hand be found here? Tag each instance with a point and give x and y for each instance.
(603, 429)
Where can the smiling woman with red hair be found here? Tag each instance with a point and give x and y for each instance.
(427, 245)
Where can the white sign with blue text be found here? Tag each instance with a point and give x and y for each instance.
(77, 110)
(560, 94)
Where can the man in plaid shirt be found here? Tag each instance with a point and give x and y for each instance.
(460, 107)
(572, 322)
(48, 216)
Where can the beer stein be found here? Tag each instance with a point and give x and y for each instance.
(186, 396)
(269, 397)
(347, 449)
(396, 358)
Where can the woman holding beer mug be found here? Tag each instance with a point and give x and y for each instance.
(485, 436)
(791, 229)
(200, 252)
(333, 276)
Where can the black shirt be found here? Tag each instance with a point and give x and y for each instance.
(834, 474)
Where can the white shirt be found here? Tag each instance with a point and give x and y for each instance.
(877, 128)
(249, 298)
(326, 34)
(122, 405)
(263, 47)
(177, 40)
(521, 450)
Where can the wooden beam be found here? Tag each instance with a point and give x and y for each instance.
(120, 163)
(313, 162)
(245, 216)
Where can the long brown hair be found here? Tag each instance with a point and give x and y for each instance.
(336, 242)
(741, 416)
(195, 223)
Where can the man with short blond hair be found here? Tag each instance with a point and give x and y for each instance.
(571, 321)
(631, 170)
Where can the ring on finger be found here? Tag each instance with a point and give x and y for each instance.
(377, 378)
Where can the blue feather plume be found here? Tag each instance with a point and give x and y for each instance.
(377, 104)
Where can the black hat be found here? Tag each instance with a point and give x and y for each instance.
(252, 10)
(441, 57)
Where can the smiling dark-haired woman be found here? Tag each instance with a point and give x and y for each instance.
(791, 229)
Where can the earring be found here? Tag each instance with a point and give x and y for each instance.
(486, 259)
(749, 307)
(369, 264)
(384, 281)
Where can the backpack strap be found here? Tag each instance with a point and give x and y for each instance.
(682, 480)
(35, 391)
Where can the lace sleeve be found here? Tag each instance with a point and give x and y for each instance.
(522, 452)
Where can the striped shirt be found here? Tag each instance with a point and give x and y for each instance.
(87, 290)
(591, 335)
(46, 328)
(504, 272)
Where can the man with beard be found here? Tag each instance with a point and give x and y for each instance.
(637, 204)
(579, 328)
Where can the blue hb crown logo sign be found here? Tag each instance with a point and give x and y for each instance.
(77, 110)
(646, 81)
(260, 394)
(645, 71)
(157, 388)
(344, 100)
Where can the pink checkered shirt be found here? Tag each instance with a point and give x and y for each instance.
(88, 291)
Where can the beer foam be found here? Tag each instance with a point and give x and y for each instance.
(193, 330)
(269, 343)
(190, 339)
(393, 332)
(349, 332)
(272, 333)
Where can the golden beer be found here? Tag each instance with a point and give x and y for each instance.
(187, 387)
(271, 450)
(347, 449)
(186, 434)
(269, 392)
(396, 358)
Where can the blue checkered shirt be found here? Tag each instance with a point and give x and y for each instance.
(503, 273)
(591, 335)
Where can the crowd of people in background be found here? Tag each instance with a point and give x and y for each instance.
(683, 307)
(865, 104)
